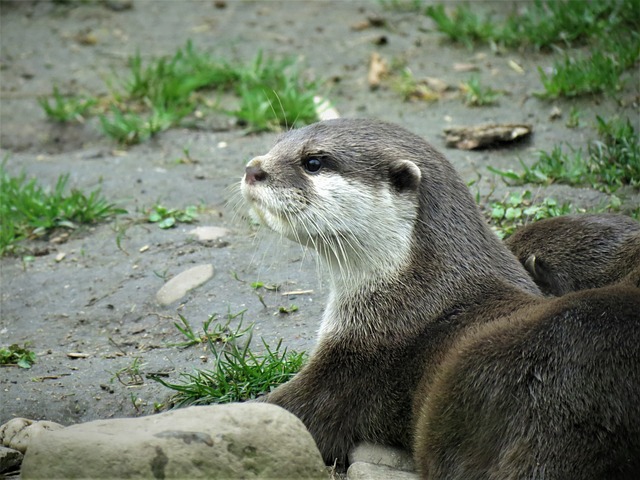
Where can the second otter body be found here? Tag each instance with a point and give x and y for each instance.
(421, 292)
(577, 252)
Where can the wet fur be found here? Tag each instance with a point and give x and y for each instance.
(577, 252)
(420, 345)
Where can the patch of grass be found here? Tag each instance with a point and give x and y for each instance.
(220, 333)
(67, 108)
(160, 93)
(168, 217)
(273, 94)
(131, 374)
(609, 163)
(574, 118)
(478, 95)
(541, 24)
(129, 128)
(238, 374)
(410, 88)
(615, 158)
(609, 28)
(463, 25)
(170, 82)
(518, 209)
(17, 356)
(28, 210)
(599, 73)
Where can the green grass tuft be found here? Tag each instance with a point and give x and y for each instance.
(238, 374)
(160, 93)
(599, 73)
(477, 95)
(273, 94)
(609, 163)
(608, 28)
(28, 210)
(463, 25)
(67, 108)
(540, 24)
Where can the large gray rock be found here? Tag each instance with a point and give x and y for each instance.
(250, 440)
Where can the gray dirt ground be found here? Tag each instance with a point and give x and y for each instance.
(100, 299)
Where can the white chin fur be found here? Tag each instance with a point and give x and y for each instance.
(359, 230)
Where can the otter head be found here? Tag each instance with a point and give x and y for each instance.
(341, 187)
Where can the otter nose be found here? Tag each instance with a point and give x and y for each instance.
(253, 174)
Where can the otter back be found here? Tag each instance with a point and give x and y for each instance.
(576, 252)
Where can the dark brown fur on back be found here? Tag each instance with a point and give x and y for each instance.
(458, 345)
(577, 252)
(549, 392)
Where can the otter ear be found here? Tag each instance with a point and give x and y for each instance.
(542, 274)
(404, 175)
(530, 265)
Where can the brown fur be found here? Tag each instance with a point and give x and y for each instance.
(459, 324)
(577, 252)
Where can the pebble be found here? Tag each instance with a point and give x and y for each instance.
(205, 234)
(178, 286)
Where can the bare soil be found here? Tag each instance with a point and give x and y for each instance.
(100, 299)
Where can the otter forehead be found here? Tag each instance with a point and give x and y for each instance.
(366, 151)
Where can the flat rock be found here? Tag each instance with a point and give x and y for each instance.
(178, 286)
(481, 136)
(382, 455)
(369, 471)
(241, 440)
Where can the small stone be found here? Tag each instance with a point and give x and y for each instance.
(555, 113)
(369, 471)
(232, 441)
(10, 459)
(382, 455)
(178, 286)
(205, 234)
(324, 109)
(75, 355)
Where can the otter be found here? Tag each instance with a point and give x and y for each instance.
(434, 337)
(576, 252)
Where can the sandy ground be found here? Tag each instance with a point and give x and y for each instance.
(100, 300)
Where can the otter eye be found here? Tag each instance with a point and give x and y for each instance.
(312, 164)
